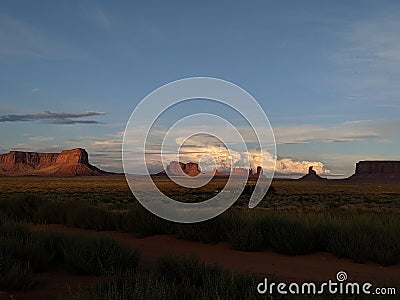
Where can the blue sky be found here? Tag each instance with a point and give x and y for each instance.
(326, 73)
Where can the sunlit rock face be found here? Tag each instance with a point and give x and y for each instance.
(179, 169)
(67, 163)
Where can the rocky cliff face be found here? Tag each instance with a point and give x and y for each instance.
(377, 169)
(179, 169)
(68, 162)
(77, 156)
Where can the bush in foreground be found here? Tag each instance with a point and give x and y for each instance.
(98, 255)
(23, 252)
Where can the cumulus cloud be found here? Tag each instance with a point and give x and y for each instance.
(219, 158)
(289, 166)
(59, 118)
(212, 156)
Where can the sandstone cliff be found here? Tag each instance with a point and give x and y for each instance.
(377, 170)
(67, 163)
(179, 169)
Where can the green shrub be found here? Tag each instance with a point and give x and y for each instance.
(144, 223)
(98, 255)
(15, 275)
(176, 278)
(128, 286)
(23, 252)
(210, 231)
(38, 250)
(83, 215)
(361, 235)
(42, 250)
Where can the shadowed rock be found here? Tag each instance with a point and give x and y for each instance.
(311, 176)
(377, 170)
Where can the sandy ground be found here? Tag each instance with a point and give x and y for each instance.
(316, 267)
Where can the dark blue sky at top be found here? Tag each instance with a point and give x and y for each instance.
(325, 72)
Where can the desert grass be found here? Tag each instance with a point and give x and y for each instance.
(98, 255)
(177, 278)
(23, 253)
(189, 278)
(358, 234)
(356, 220)
(290, 195)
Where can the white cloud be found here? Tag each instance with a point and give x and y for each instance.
(206, 151)
(41, 139)
(289, 166)
(35, 90)
(106, 151)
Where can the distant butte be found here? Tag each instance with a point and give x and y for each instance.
(311, 176)
(179, 169)
(192, 169)
(377, 170)
(74, 162)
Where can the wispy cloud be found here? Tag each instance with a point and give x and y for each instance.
(18, 38)
(370, 60)
(98, 18)
(41, 138)
(59, 118)
(348, 131)
(35, 90)
(375, 41)
(104, 152)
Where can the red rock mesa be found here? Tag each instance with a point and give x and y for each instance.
(67, 163)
